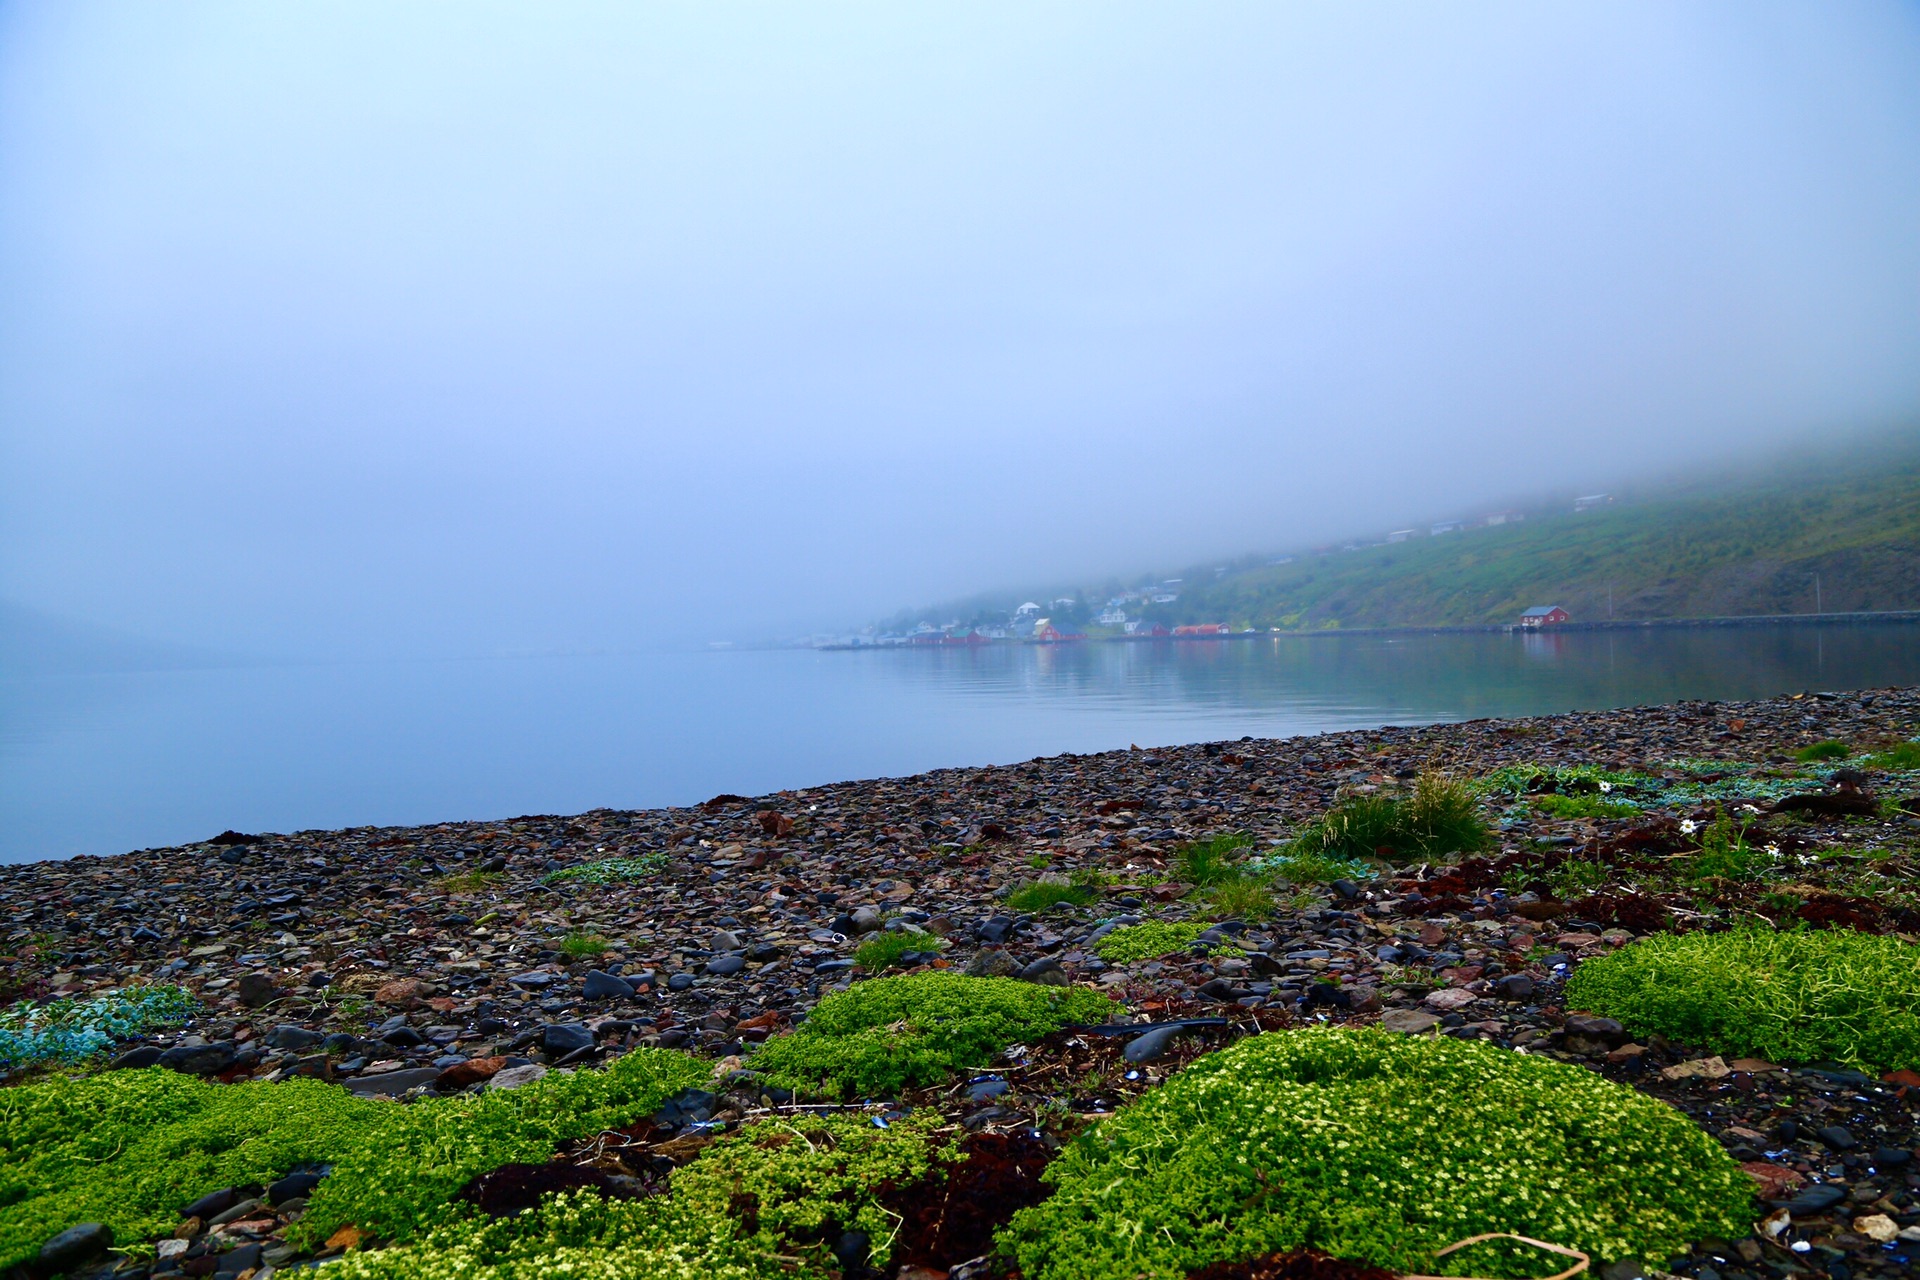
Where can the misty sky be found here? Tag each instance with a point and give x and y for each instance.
(423, 328)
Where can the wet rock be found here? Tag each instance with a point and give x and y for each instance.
(214, 1202)
(390, 1083)
(144, 1055)
(1837, 1138)
(74, 1246)
(1514, 986)
(514, 1077)
(991, 962)
(723, 966)
(256, 989)
(471, 1071)
(1408, 1021)
(605, 986)
(1151, 1046)
(296, 1184)
(561, 1038)
(293, 1039)
(198, 1060)
(1047, 972)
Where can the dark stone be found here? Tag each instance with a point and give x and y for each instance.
(389, 1083)
(144, 934)
(981, 1090)
(74, 1245)
(1347, 889)
(1045, 971)
(294, 1038)
(1218, 989)
(212, 1203)
(404, 1038)
(722, 966)
(234, 1261)
(1625, 1269)
(562, 1038)
(853, 1248)
(1325, 995)
(689, 1106)
(605, 986)
(495, 864)
(532, 981)
(198, 1059)
(340, 1042)
(1514, 986)
(1146, 1048)
(762, 952)
(1891, 1157)
(682, 981)
(1836, 1138)
(1816, 1199)
(141, 1056)
(257, 989)
(994, 932)
(833, 966)
(299, 1183)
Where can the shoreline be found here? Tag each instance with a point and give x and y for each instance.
(413, 962)
(1889, 617)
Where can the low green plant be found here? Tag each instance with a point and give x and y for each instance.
(1043, 895)
(1383, 1149)
(883, 950)
(1828, 749)
(601, 871)
(1210, 861)
(1440, 817)
(887, 1034)
(1147, 939)
(1724, 853)
(1582, 806)
(68, 1032)
(757, 1204)
(128, 1148)
(1897, 758)
(1576, 878)
(1312, 867)
(1799, 995)
(582, 943)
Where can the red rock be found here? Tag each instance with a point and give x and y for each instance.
(472, 1071)
(1775, 1180)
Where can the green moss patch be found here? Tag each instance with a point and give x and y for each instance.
(1440, 817)
(1382, 1149)
(130, 1147)
(766, 1201)
(883, 950)
(1151, 938)
(887, 1034)
(1798, 996)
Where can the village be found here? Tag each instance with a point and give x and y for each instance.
(1137, 613)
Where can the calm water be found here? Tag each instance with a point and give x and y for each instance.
(110, 761)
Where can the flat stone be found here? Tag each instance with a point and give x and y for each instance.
(1408, 1021)
(1449, 1000)
(388, 1083)
(561, 1038)
(514, 1077)
(606, 986)
(722, 966)
(145, 1055)
(1152, 1045)
(75, 1245)
(198, 1059)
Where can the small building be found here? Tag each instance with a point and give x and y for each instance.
(1202, 630)
(1446, 526)
(1113, 616)
(1545, 615)
(1141, 627)
(1399, 535)
(1046, 632)
(1504, 517)
(1588, 502)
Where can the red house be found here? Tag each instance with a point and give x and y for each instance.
(1545, 615)
(1202, 630)
(1048, 633)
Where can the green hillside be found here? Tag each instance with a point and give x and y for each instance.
(1733, 547)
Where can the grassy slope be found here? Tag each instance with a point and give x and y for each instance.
(1747, 547)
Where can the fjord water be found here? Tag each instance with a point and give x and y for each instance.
(104, 761)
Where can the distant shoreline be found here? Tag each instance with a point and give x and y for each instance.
(1885, 617)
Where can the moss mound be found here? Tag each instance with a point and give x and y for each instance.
(765, 1202)
(1147, 939)
(129, 1148)
(1800, 996)
(1381, 1149)
(887, 1034)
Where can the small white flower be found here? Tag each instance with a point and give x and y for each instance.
(1688, 826)
(1606, 786)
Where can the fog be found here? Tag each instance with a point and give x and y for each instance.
(460, 328)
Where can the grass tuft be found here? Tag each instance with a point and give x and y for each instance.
(1796, 996)
(1440, 817)
(1582, 806)
(1211, 861)
(907, 1032)
(1043, 895)
(1383, 1149)
(582, 943)
(883, 950)
(1899, 757)
(470, 881)
(1829, 749)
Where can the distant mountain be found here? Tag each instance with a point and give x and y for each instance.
(31, 641)
(1833, 532)
(1835, 535)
